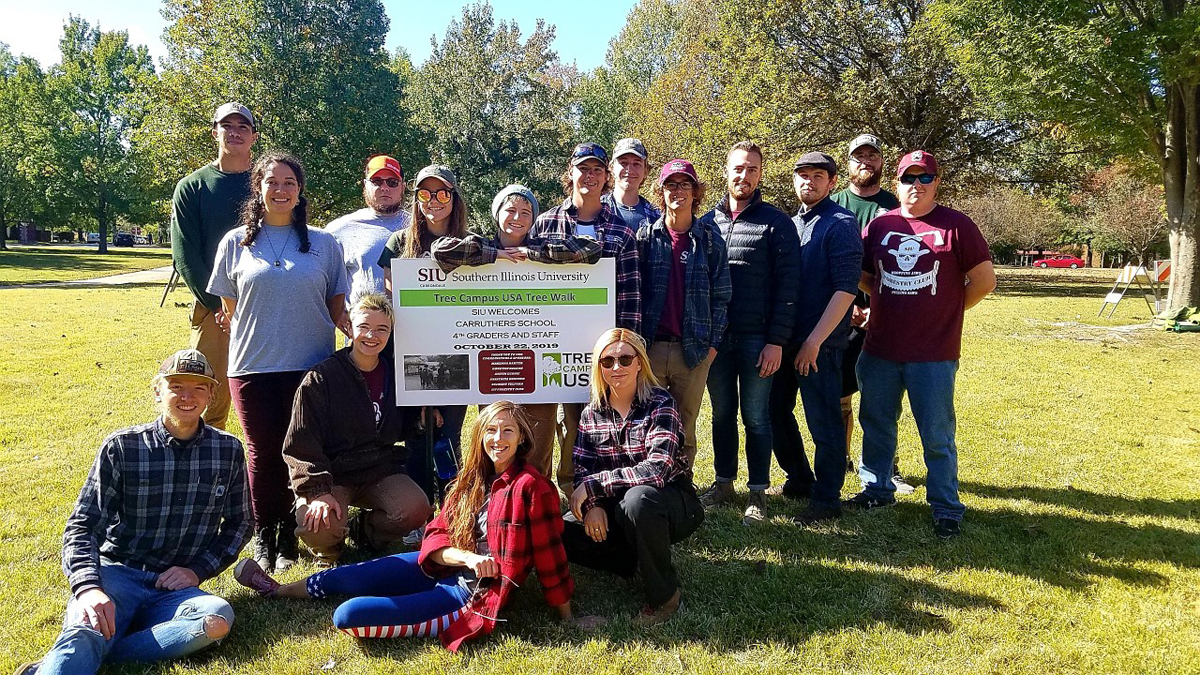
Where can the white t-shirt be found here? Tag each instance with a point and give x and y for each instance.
(362, 236)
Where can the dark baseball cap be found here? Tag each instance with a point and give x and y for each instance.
(817, 160)
(440, 172)
(585, 151)
(678, 166)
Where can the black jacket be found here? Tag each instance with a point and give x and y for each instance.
(333, 438)
(764, 266)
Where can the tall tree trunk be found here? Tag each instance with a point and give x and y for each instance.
(1181, 181)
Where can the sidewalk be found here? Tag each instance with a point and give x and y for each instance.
(151, 276)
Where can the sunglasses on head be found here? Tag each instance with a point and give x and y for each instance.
(590, 150)
(925, 178)
(390, 182)
(442, 196)
(626, 360)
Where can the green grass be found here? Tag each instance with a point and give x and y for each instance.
(1079, 442)
(41, 264)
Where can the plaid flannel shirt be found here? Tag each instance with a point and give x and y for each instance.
(524, 531)
(450, 253)
(645, 448)
(707, 288)
(153, 502)
(619, 242)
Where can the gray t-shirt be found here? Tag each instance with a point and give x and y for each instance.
(362, 235)
(282, 322)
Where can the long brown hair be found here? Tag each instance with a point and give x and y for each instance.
(418, 224)
(253, 208)
(467, 494)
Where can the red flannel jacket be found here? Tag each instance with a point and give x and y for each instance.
(524, 531)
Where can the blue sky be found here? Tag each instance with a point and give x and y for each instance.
(582, 35)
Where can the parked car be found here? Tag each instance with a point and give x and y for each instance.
(123, 239)
(140, 239)
(93, 238)
(1059, 261)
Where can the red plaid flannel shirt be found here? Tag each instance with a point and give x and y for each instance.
(524, 532)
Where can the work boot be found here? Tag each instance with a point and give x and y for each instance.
(287, 547)
(250, 575)
(263, 548)
(717, 494)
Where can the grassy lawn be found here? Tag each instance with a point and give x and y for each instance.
(1079, 441)
(41, 264)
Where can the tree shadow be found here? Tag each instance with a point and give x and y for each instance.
(1092, 502)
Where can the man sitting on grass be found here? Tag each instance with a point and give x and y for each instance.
(163, 509)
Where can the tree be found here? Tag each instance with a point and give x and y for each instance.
(21, 87)
(1125, 74)
(316, 75)
(86, 153)
(1125, 210)
(1013, 220)
(496, 108)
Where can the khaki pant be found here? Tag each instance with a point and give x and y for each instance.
(685, 384)
(544, 417)
(396, 506)
(213, 343)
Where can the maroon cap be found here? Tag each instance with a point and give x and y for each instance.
(678, 166)
(917, 158)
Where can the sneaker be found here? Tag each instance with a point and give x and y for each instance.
(790, 490)
(717, 494)
(756, 508)
(946, 528)
(653, 617)
(413, 539)
(902, 486)
(28, 668)
(287, 548)
(250, 575)
(358, 534)
(816, 513)
(263, 548)
(864, 502)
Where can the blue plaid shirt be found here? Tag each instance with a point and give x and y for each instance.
(707, 288)
(619, 242)
(153, 502)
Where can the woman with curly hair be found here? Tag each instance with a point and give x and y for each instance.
(501, 520)
(282, 285)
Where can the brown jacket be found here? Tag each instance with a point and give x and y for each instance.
(333, 439)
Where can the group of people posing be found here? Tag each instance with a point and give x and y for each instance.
(745, 301)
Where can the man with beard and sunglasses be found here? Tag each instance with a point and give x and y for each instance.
(865, 199)
(365, 232)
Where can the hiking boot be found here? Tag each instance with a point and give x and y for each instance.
(653, 617)
(28, 668)
(902, 486)
(946, 528)
(287, 547)
(816, 513)
(756, 508)
(263, 548)
(790, 490)
(717, 494)
(358, 534)
(250, 575)
(864, 502)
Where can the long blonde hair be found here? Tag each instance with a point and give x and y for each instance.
(468, 491)
(645, 378)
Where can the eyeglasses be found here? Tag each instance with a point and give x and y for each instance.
(442, 196)
(626, 360)
(684, 186)
(925, 178)
(390, 182)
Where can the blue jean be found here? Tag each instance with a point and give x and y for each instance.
(930, 388)
(417, 465)
(733, 384)
(821, 396)
(151, 624)
(388, 591)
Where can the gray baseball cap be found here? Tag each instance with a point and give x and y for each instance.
(514, 189)
(440, 172)
(233, 108)
(864, 139)
(627, 146)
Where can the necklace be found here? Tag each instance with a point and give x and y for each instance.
(270, 243)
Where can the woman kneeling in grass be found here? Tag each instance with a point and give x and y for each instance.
(501, 520)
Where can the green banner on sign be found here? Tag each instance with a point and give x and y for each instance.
(441, 297)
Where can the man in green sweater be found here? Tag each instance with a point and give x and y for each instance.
(206, 205)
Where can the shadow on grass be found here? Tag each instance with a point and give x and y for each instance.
(1093, 502)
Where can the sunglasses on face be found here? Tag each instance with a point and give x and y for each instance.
(607, 362)
(390, 182)
(925, 178)
(442, 196)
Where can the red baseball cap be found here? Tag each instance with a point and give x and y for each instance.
(383, 163)
(678, 166)
(917, 158)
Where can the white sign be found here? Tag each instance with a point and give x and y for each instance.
(517, 331)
